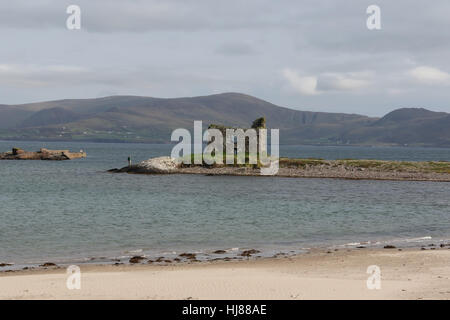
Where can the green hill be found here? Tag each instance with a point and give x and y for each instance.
(146, 119)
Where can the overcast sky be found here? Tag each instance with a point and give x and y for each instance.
(304, 54)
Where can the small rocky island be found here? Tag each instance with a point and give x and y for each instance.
(298, 168)
(42, 154)
(306, 168)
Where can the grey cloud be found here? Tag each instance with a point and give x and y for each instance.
(143, 15)
(235, 49)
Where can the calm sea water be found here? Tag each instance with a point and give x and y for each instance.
(74, 210)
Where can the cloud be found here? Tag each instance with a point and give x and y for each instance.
(30, 75)
(235, 49)
(343, 82)
(326, 82)
(17, 69)
(430, 75)
(108, 16)
(303, 85)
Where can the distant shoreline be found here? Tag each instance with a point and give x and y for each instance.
(380, 145)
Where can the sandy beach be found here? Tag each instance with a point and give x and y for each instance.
(342, 274)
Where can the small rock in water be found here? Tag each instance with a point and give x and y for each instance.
(279, 254)
(5, 264)
(219, 252)
(190, 256)
(248, 253)
(136, 259)
(48, 264)
(389, 247)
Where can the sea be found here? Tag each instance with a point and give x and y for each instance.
(70, 212)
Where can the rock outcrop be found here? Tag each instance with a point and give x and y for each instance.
(42, 154)
(160, 165)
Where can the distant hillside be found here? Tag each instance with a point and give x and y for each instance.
(407, 126)
(145, 119)
(11, 116)
(50, 116)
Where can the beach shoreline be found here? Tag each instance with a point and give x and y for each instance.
(320, 274)
(172, 256)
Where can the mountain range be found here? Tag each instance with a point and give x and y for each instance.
(146, 119)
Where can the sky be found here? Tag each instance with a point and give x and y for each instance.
(303, 54)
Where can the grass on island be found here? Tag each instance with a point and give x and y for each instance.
(376, 165)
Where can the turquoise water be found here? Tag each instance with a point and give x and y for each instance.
(75, 211)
